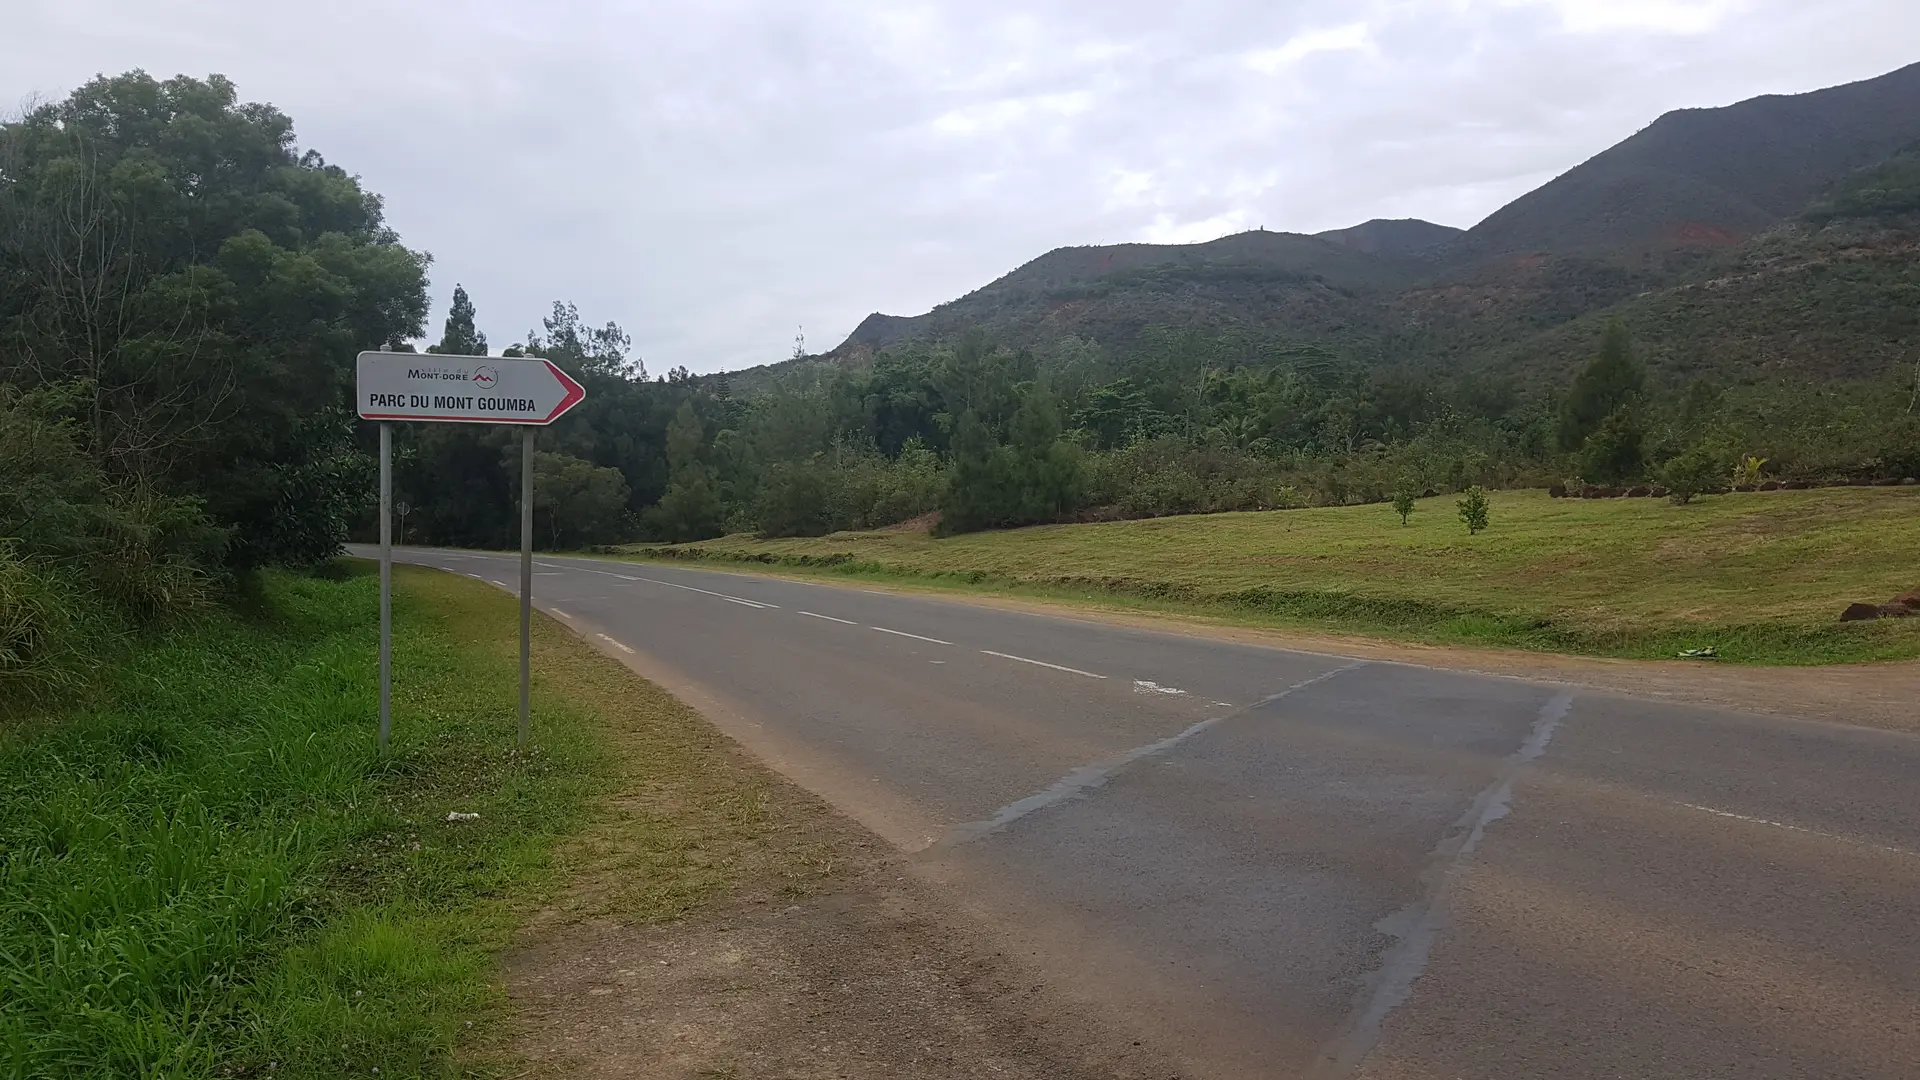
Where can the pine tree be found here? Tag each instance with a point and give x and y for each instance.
(460, 338)
(1612, 380)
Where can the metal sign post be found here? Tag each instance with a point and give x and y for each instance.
(386, 582)
(526, 580)
(459, 390)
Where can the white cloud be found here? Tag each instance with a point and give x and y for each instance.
(1353, 37)
(1130, 187)
(994, 116)
(1166, 229)
(1652, 16)
(712, 173)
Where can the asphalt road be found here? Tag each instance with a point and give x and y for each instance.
(1275, 864)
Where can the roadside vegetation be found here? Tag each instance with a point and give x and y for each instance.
(208, 870)
(206, 867)
(1759, 577)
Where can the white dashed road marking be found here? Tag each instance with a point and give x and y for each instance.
(1042, 663)
(829, 618)
(903, 633)
(1144, 686)
(1799, 829)
(618, 645)
(704, 592)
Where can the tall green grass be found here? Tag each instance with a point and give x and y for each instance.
(209, 870)
(44, 619)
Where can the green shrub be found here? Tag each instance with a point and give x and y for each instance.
(1692, 473)
(1403, 504)
(1474, 510)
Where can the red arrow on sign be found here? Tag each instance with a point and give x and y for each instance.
(575, 393)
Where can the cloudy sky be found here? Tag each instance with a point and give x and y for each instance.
(716, 174)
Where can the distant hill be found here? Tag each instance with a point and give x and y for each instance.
(1777, 236)
(1704, 177)
(1406, 236)
(1258, 279)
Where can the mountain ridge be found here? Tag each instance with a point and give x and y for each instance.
(1695, 188)
(1713, 175)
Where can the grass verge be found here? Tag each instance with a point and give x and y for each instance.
(209, 870)
(1760, 577)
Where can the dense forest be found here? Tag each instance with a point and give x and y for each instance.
(1186, 422)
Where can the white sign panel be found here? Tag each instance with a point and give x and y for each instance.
(463, 389)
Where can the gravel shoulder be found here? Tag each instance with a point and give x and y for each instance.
(716, 920)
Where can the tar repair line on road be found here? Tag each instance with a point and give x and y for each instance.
(1419, 924)
(1088, 777)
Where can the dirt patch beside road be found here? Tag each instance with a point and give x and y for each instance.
(863, 981)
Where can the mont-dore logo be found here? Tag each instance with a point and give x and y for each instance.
(486, 377)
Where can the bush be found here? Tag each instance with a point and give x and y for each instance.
(1692, 473)
(1474, 510)
(1403, 504)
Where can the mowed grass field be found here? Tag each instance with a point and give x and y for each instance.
(1760, 577)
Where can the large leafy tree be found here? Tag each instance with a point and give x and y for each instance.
(577, 501)
(202, 287)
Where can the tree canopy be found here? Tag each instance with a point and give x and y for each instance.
(199, 288)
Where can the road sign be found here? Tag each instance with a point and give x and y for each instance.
(462, 389)
(459, 390)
